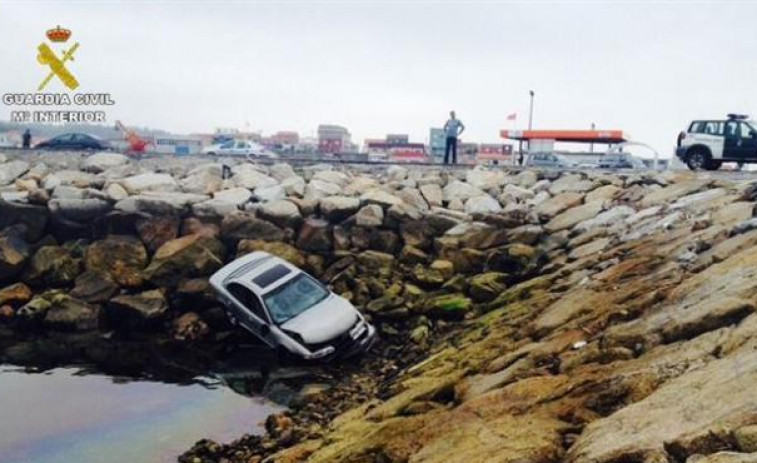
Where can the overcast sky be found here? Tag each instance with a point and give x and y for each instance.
(381, 67)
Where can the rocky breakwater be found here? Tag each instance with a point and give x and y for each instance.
(630, 338)
(524, 315)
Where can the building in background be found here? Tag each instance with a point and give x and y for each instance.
(333, 139)
(12, 139)
(176, 144)
(396, 148)
(436, 144)
(494, 153)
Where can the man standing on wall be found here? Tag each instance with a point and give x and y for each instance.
(452, 129)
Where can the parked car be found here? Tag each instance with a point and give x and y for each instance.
(74, 141)
(620, 160)
(238, 148)
(289, 309)
(707, 144)
(549, 160)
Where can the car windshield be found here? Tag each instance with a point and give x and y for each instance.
(294, 297)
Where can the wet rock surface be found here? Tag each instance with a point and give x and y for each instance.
(522, 315)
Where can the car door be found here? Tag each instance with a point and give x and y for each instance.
(733, 146)
(63, 142)
(242, 148)
(748, 148)
(226, 148)
(251, 314)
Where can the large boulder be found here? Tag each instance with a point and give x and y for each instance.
(315, 235)
(122, 258)
(282, 171)
(477, 235)
(14, 253)
(214, 208)
(281, 212)
(338, 208)
(484, 179)
(244, 225)
(205, 179)
(52, 266)
(517, 260)
(104, 160)
(33, 218)
(186, 257)
(154, 231)
(459, 190)
(487, 286)
(238, 196)
(277, 248)
(370, 216)
(448, 306)
(333, 177)
(432, 193)
(247, 176)
(12, 170)
(317, 189)
(413, 197)
(482, 205)
(69, 314)
(380, 197)
(15, 294)
(294, 186)
(156, 203)
(137, 311)
(76, 178)
(574, 216)
(557, 204)
(94, 287)
(270, 193)
(78, 210)
(149, 181)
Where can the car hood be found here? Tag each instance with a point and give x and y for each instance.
(326, 320)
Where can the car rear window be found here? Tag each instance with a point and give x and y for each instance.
(269, 276)
(696, 127)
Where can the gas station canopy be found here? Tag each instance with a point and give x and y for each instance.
(576, 136)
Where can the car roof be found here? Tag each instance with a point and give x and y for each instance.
(259, 271)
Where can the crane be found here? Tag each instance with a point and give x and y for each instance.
(137, 144)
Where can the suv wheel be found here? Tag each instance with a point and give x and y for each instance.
(697, 160)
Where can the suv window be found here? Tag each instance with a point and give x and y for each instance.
(696, 127)
(713, 128)
(746, 131)
(731, 129)
(248, 299)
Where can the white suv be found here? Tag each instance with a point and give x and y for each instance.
(706, 144)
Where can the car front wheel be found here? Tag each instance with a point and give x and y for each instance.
(697, 160)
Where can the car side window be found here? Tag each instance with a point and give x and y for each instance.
(713, 128)
(731, 128)
(696, 127)
(248, 299)
(228, 145)
(745, 130)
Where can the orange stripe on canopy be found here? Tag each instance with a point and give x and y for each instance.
(577, 136)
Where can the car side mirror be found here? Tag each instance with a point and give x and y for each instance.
(265, 330)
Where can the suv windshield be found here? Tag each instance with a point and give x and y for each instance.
(294, 297)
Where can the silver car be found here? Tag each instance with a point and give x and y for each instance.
(287, 308)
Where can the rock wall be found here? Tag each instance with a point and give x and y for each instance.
(578, 316)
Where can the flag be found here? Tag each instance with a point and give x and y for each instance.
(512, 117)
